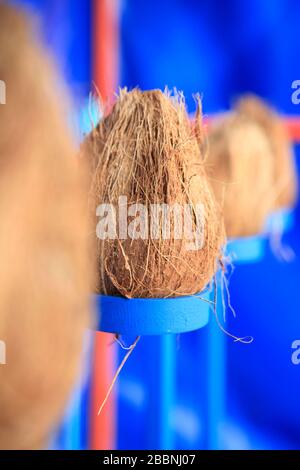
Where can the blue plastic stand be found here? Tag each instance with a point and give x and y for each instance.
(152, 316)
(246, 250)
(239, 251)
(216, 375)
(282, 220)
(159, 380)
(160, 320)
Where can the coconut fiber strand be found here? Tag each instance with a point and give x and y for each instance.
(284, 165)
(240, 165)
(146, 150)
(44, 275)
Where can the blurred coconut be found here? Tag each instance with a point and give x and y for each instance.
(146, 152)
(44, 275)
(285, 180)
(240, 165)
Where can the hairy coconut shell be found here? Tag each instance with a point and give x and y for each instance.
(240, 166)
(44, 274)
(145, 149)
(285, 179)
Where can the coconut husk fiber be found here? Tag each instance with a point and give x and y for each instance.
(240, 166)
(146, 150)
(285, 180)
(44, 271)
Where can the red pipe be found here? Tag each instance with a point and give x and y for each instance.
(105, 76)
(106, 47)
(103, 427)
(292, 124)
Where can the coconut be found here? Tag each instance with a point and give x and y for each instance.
(146, 153)
(240, 166)
(285, 180)
(44, 274)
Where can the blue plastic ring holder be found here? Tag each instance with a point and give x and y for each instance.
(163, 318)
(141, 316)
(252, 249)
(246, 250)
(241, 251)
(282, 219)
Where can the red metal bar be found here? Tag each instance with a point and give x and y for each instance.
(105, 76)
(106, 47)
(292, 124)
(103, 427)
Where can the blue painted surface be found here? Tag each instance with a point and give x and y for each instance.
(217, 48)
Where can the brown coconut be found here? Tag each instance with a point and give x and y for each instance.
(44, 274)
(285, 181)
(240, 166)
(145, 149)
